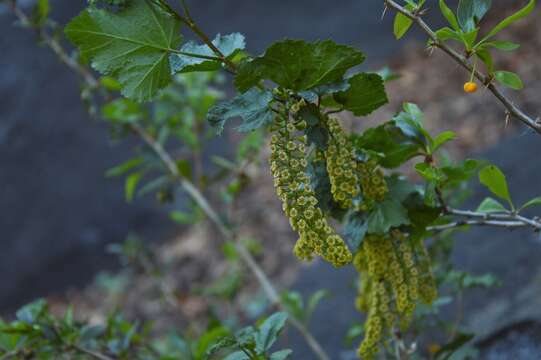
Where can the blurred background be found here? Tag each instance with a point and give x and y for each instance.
(58, 211)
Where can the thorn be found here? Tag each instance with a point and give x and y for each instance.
(384, 11)
(507, 117)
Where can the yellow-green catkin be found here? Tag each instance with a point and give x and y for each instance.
(395, 272)
(373, 185)
(288, 166)
(341, 165)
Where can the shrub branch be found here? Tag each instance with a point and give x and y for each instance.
(511, 109)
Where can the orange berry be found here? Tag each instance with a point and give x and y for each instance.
(470, 87)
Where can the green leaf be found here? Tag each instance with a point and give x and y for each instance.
(470, 37)
(229, 45)
(442, 138)
(489, 205)
(43, 8)
(449, 15)
(298, 65)
(533, 202)
(447, 33)
(253, 107)
(237, 355)
(122, 111)
(402, 24)
(365, 94)
(486, 58)
(269, 331)
(470, 12)
(355, 229)
(495, 181)
(389, 141)
(525, 11)
(314, 301)
(455, 344)
(32, 312)
(132, 45)
(502, 45)
(320, 91)
(281, 355)
(387, 214)
(509, 79)
(294, 304)
(131, 184)
(429, 173)
(124, 167)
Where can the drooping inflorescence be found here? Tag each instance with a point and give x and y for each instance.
(395, 273)
(288, 166)
(373, 185)
(341, 165)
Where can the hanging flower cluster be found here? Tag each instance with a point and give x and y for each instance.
(341, 165)
(288, 166)
(373, 185)
(391, 267)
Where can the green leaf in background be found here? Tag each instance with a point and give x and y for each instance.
(470, 12)
(401, 25)
(509, 79)
(449, 15)
(490, 205)
(387, 214)
(124, 167)
(495, 181)
(122, 111)
(298, 65)
(269, 331)
(484, 55)
(313, 302)
(237, 355)
(132, 45)
(533, 202)
(525, 11)
(253, 107)
(229, 45)
(281, 355)
(131, 184)
(455, 344)
(441, 139)
(365, 94)
(502, 45)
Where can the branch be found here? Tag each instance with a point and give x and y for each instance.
(507, 220)
(191, 190)
(511, 109)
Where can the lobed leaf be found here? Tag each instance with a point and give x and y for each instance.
(132, 45)
(253, 107)
(365, 94)
(229, 45)
(298, 65)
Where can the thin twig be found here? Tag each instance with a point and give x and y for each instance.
(457, 224)
(511, 108)
(506, 217)
(187, 185)
(94, 354)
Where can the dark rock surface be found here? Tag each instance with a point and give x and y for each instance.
(513, 256)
